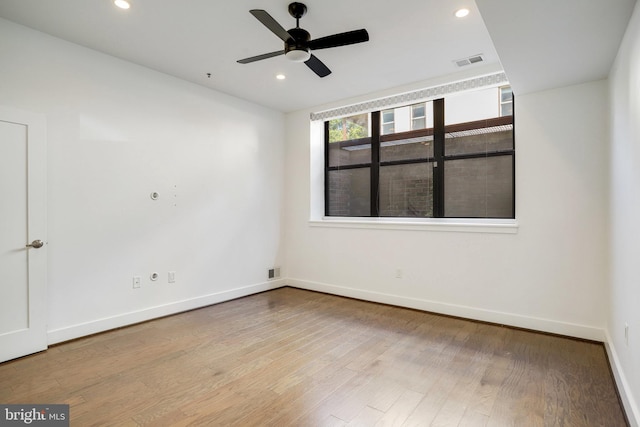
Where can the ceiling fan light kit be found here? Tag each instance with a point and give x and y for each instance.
(296, 48)
(298, 55)
(298, 43)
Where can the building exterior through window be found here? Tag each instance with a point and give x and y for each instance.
(452, 157)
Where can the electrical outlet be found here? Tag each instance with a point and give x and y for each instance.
(136, 282)
(171, 277)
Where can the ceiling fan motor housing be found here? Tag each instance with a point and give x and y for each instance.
(297, 48)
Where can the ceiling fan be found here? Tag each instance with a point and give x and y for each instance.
(297, 41)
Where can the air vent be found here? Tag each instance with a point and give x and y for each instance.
(470, 60)
(273, 273)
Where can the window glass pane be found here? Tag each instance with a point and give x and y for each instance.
(349, 141)
(349, 192)
(473, 124)
(471, 106)
(348, 153)
(406, 149)
(417, 110)
(407, 118)
(418, 123)
(346, 128)
(483, 137)
(506, 109)
(479, 188)
(406, 190)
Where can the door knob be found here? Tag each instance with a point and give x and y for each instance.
(36, 244)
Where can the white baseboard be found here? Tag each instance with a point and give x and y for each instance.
(502, 318)
(100, 325)
(628, 401)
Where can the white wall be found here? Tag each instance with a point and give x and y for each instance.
(625, 216)
(549, 276)
(117, 132)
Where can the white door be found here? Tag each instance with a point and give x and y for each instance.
(22, 222)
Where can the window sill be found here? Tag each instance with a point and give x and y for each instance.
(467, 225)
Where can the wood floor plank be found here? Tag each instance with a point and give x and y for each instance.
(299, 401)
(367, 417)
(475, 358)
(290, 357)
(398, 413)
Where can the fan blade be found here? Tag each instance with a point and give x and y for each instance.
(341, 39)
(317, 66)
(263, 56)
(268, 21)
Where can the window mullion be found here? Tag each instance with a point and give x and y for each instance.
(438, 155)
(326, 169)
(375, 163)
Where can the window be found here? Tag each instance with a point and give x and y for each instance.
(388, 123)
(459, 168)
(506, 101)
(348, 152)
(418, 116)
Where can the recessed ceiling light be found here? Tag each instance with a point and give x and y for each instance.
(281, 76)
(461, 13)
(122, 4)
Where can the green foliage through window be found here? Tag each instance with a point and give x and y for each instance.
(346, 128)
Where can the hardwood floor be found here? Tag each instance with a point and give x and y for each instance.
(290, 357)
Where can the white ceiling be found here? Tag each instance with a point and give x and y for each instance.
(552, 43)
(542, 43)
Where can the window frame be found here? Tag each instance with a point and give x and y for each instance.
(439, 159)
